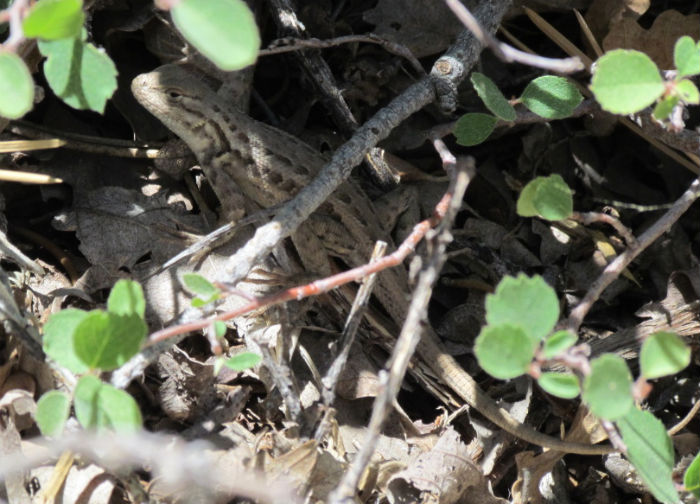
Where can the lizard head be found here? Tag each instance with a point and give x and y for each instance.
(174, 96)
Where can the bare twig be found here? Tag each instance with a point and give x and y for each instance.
(184, 465)
(507, 52)
(407, 341)
(618, 265)
(319, 286)
(352, 324)
(685, 420)
(587, 218)
(289, 44)
(316, 67)
(447, 72)
(14, 14)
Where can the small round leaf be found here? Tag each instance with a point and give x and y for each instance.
(664, 107)
(558, 343)
(199, 285)
(526, 200)
(85, 401)
(82, 75)
(52, 411)
(504, 351)
(472, 129)
(58, 339)
(243, 361)
(222, 30)
(564, 385)
(126, 298)
(102, 406)
(608, 389)
(625, 81)
(553, 199)
(687, 92)
(691, 478)
(117, 410)
(526, 302)
(16, 86)
(54, 19)
(551, 97)
(686, 57)
(219, 328)
(492, 97)
(105, 341)
(663, 353)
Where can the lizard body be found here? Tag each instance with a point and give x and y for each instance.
(270, 166)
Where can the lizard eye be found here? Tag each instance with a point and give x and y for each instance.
(174, 94)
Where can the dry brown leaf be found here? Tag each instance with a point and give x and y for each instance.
(585, 428)
(604, 13)
(657, 41)
(444, 474)
(424, 31)
(89, 484)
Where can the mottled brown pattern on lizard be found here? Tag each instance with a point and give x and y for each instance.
(270, 166)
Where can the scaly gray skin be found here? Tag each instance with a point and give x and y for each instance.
(270, 166)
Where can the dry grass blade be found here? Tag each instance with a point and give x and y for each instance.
(558, 38)
(28, 177)
(30, 145)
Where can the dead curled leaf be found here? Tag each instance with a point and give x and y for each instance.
(602, 14)
(658, 41)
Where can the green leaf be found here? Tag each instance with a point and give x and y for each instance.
(52, 412)
(54, 19)
(691, 478)
(126, 298)
(625, 81)
(118, 410)
(526, 200)
(492, 97)
(686, 57)
(564, 385)
(553, 199)
(219, 328)
(664, 107)
(687, 92)
(526, 302)
(105, 341)
(504, 351)
(16, 86)
(557, 343)
(472, 129)
(85, 401)
(199, 285)
(650, 450)
(608, 388)
(102, 406)
(79, 73)
(243, 361)
(551, 97)
(546, 197)
(58, 339)
(663, 353)
(199, 302)
(222, 30)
